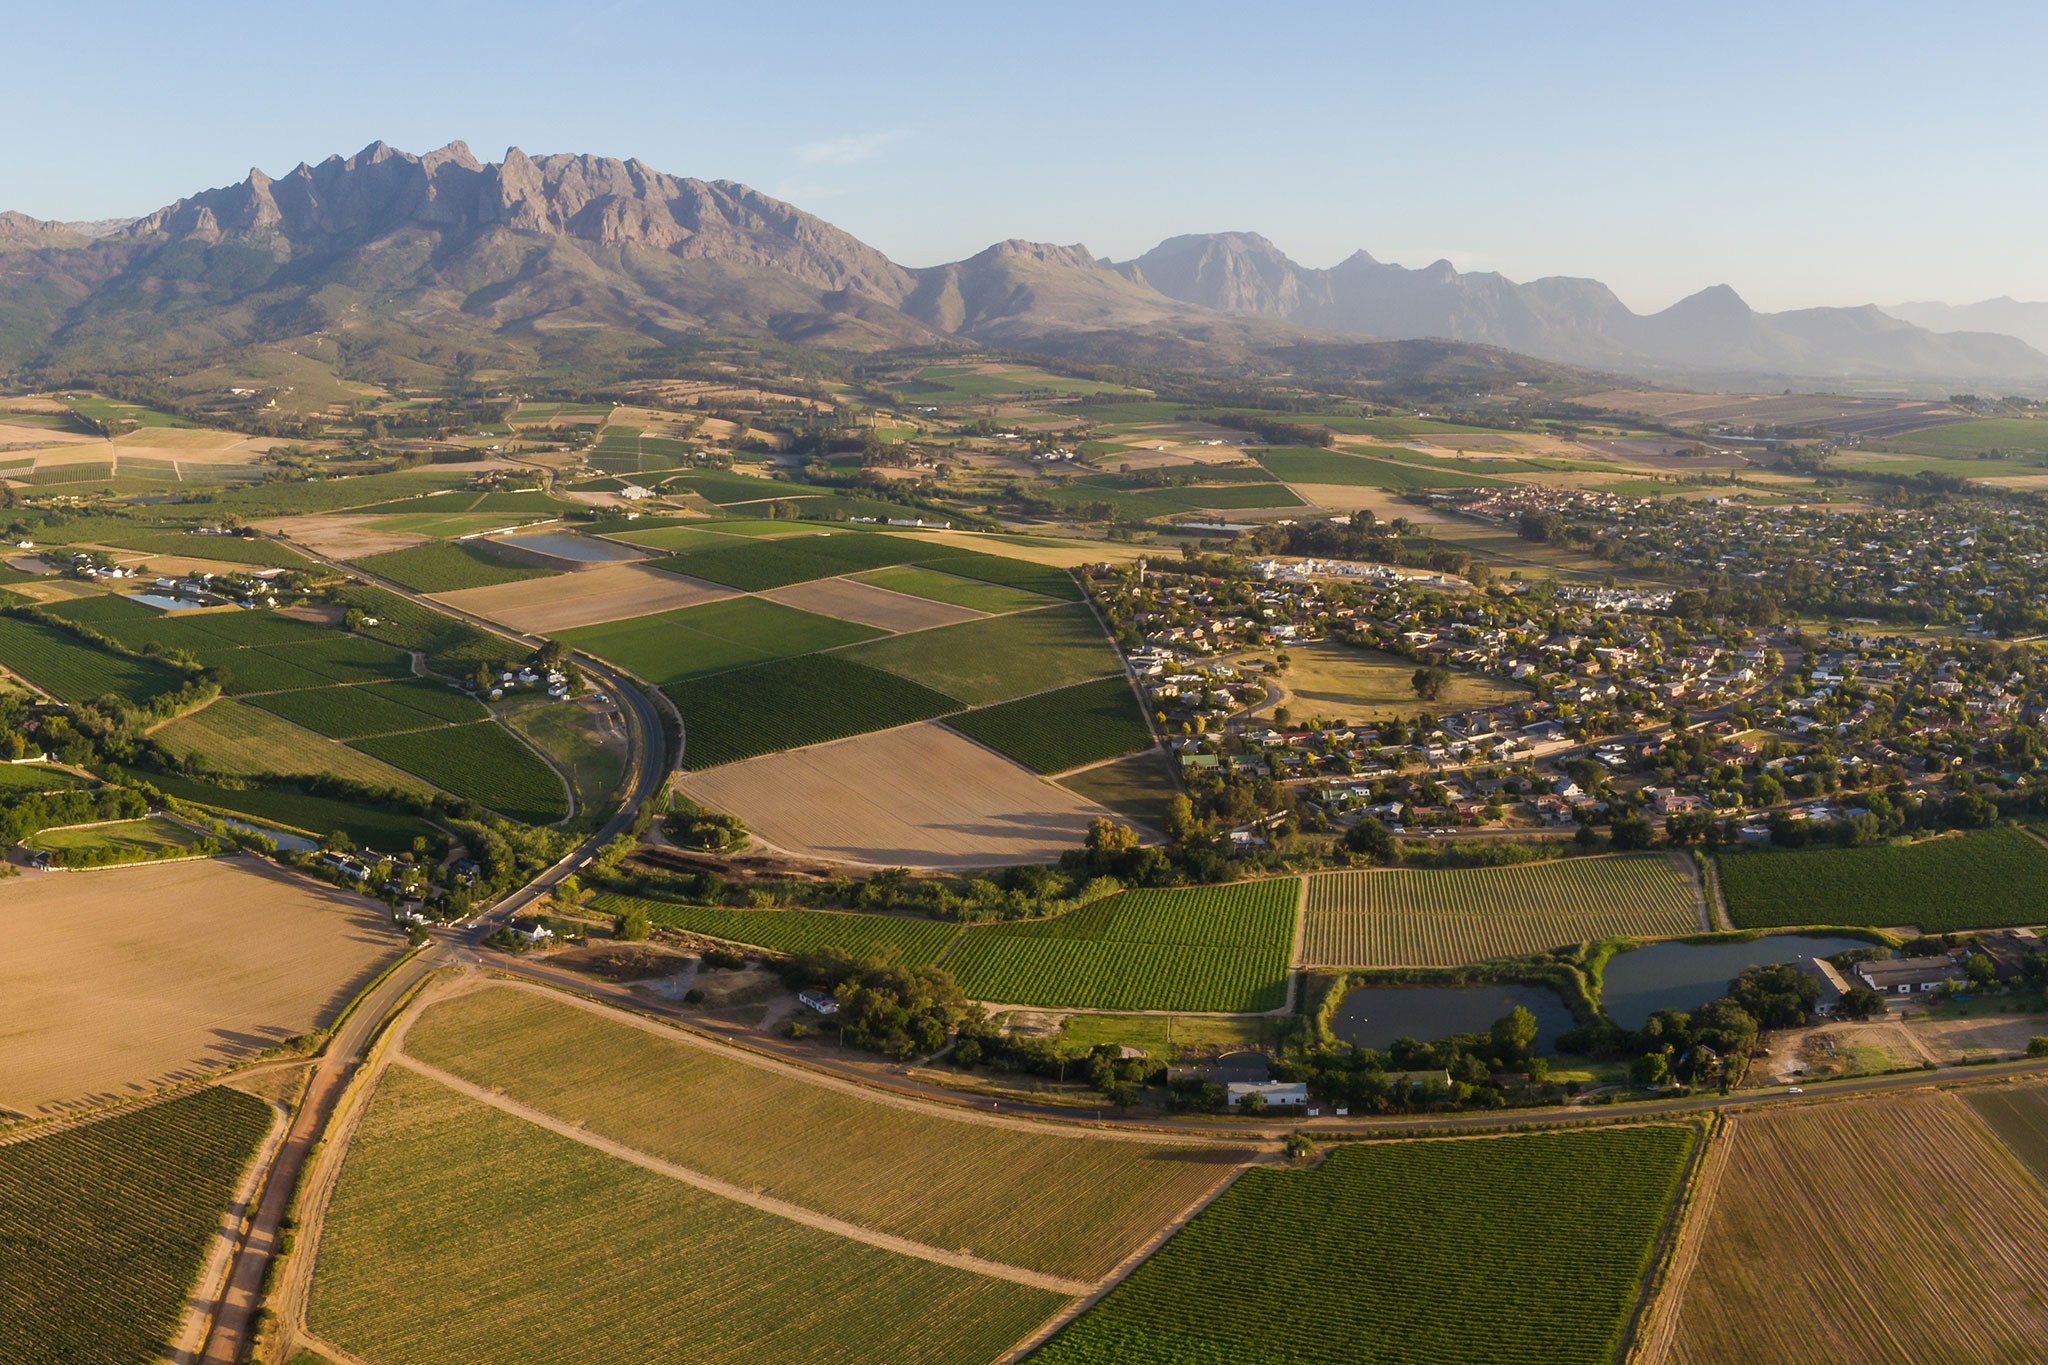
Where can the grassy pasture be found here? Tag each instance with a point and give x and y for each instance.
(1988, 879)
(909, 1172)
(1463, 1262)
(1304, 464)
(34, 777)
(387, 831)
(912, 942)
(565, 732)
(1340, 682)
(1066, 728)
(233, 737)
(1454, 916)
(936, 586)
(789, 703)
(107, 1226)
(689, 642)
(1217, 948)
(72, 670)
(1940, 1216)
(546, 1223)
(447, 566)
(480, 761)
(983, 662)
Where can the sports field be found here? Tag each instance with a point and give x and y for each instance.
(916, 796)
(107, 1226)
(1520, 1250)
(1451, 917)
(1055, 1200)
(1838, 1226)
(983, 662)
(138, 976)
(1215, 948)
(553, 1232)
(1991, 878)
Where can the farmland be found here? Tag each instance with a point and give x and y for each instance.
(565, 601)
(546, 1222)
(1137, 788)
(72, 670)
(232, 956)
(915, 796)
(344, 712)
(124, 841)
(915, 581)
(1219, 948)
(1934, 1250)
(447, 566)
(2018, 1114)
(869, 605)
(1326, 678)
(1297, 464)
(983, 662)
(1066, 728)
(756, 565)
(909, 1171)
(912, 942)
(107, 1226)
(1405, 1251)
(672, 646)
(233, 737)
(789, 703)
(1454, 916)
(482, 762)
(388, 831)
(1976, 881)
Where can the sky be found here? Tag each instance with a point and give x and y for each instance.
(1804, 153)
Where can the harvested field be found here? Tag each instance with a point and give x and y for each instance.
(2018, 1114)
(554, 1233)
(871, 606)
(1326, 678)
(122, 980)
(610, 592)
(1456, 916)
(342, 535)
(239, 739)
(1893, 1229)
(1054, 1200)
(920, 796)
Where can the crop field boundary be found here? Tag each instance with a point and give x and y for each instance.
(203, 1302)
(795, 1213)
(1656, 1321)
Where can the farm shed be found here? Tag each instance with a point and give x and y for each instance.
(1833, 985)
(1275, 1092)
(1907, 975)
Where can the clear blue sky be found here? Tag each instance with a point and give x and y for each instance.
(1805, 153)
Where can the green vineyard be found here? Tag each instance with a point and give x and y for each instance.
(1989, 879)
(103, 1228)
(1220, 948)
(481, 761)
(1525, 1250)
(1452, 917)
(789, 703)
(912, 942)
(1066, 728)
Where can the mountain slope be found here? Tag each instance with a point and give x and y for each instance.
(2012, 317)
(1574, 321)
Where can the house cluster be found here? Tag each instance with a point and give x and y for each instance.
(2003, 958)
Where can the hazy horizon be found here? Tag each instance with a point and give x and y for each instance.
(1562, 144)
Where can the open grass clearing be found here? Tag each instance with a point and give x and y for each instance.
(983, 662)
(1452, 917)
(233, 737)
(919, 796)
(124, 980)
(910, 1171)
(566, 601)
(582, 740)
(545, 1223)
(1841, 1224)
(1339, 682)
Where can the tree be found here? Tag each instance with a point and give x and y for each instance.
(2037, 1047)
(1371, 838)
(1300, 1146)
(1860, 1002)
(1980, 969)
(1180, 818)
(1649, 1070)
(1252, 1104)
(1431, 683)
(1514, 1034)
(1631, 831)
(630, 927)
(1766, 791)
(1108, 839)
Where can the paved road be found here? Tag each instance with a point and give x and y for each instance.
(646, 772)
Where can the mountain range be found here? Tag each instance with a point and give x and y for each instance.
(2027, 321)
(395, 267)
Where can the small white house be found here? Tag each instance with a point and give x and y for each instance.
(819, 1001)
(1275, 1092)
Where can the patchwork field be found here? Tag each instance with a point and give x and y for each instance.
(1988, 879)
(1397, 1252)
(546, 1222)
(448, 566)
(918, 796)
(992, 598)
(982, 662)
(1054, 1200)
(239, 739)
(107, 1226)
(1889, 1229)
(1451, 917)
(1217, 948)
(1062, 729)
(119, 981)
(481, 761)
(610, 592)
(870, 605)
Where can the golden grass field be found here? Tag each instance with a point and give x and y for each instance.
(121, 980)
(869, 605)
(1895, 1228)
(610, 592)
(917, 796)
(1335, 680)
(247, 740)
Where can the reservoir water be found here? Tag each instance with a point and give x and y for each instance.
(1684, 976)
(1374, 1016)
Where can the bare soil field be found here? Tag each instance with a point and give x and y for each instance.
(1961, 1040)
(1888, 1229)
(123, 980)
(610, 592)
(1064, 555)
(919, 796)
(870, 606)
(340, 536)
(1386, 506)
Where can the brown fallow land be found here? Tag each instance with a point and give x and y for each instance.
(609, 592)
